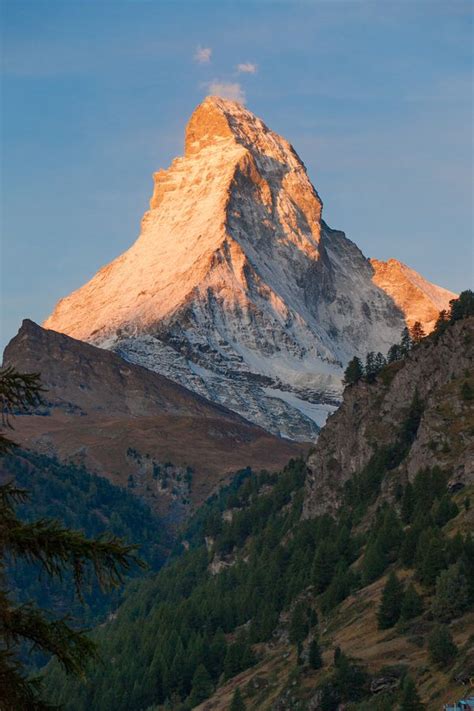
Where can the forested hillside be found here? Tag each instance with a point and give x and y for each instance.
(370, 604)
(264, 583)
(83, 501)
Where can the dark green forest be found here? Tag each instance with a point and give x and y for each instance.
(180, 633)
(82, 501)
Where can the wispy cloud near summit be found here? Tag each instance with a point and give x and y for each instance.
(203, 55)
(247, 68)
(227, 90)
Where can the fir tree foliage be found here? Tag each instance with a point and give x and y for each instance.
(315, 659)
(201, 687)
(452, 594)
(238, 703)
(353, 372)
(441, 646)
(412, 605)
(409, 699)
(55, 549)
(417, 333)
(391, 603)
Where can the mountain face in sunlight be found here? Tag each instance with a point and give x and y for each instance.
(236, 287)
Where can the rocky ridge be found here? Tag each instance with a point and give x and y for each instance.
(133, 426)
(417, 298)
(371, 415)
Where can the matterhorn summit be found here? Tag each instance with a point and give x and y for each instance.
(237, 289)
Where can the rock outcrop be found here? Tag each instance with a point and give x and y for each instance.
(236, 288)
(417, 298)
(441, 372)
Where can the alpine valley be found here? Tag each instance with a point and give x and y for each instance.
(285, 430)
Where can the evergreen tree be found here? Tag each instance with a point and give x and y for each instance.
(444, 511)
(405, 342)
(237, 701)
(417, 332)
(409, 547)
(442, 322)
(55, 549)
(380, 362)
(323, 565)
(409, 700)
(315, 658)
(412, 605)
(298, 624)
(354, 371)
(408, 504)
(329, 698)
(430, 556)
(441, 646)
(339, 587)
(452, 594)
(19, 392)
(462, 307)
(202, 686)
(374, 563)
(394, 353)
(391, 603)
(239, 656)
(370, 367)
(348, 679)
(467, 565)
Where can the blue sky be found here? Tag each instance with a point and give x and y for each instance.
(376, 97)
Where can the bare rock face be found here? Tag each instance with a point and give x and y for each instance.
(371, 416)
(417, 298)
(133, 426)
(236, 288)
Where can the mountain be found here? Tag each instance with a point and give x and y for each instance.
(427, 387)
(309, 608)
(418, 299)
(236, 287)
(133, 426)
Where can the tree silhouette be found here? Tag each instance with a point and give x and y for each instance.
(417, 332)
(354, 371)
(55, 549)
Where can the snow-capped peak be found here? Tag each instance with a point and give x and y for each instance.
(235, 287)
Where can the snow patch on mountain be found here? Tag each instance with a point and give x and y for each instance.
(236, 288)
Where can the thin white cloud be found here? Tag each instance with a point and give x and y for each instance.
(247, 68)
(227, 90)
(203, 55)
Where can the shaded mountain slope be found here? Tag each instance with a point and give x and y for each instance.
(133, 426)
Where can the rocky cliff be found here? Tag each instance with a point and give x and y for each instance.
(440, 373)
(236, 288)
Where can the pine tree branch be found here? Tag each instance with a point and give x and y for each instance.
(26, 622)
(57, 548)
(16, 692)
(18, 393)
